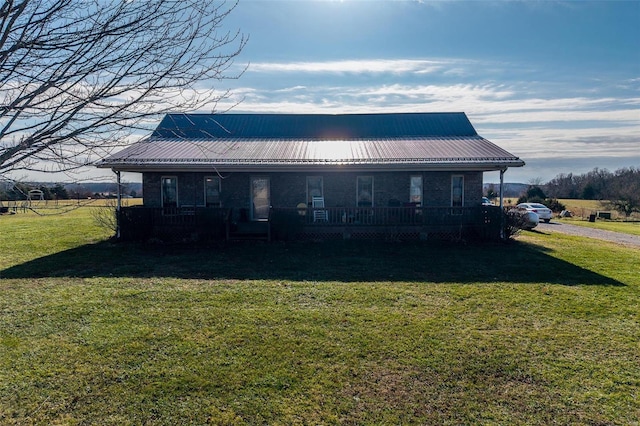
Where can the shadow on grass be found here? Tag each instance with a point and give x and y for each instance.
(345, 261)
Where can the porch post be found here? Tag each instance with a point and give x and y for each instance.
(502, 203)
(118, 204)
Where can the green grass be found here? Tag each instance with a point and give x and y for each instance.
(541, 331)
(632, 228)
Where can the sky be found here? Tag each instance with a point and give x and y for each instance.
(556, 83)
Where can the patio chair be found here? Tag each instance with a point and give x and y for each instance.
(319, 215)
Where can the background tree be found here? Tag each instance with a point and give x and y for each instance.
(59, 192)
(491, 192)
(77, 77)
(534, 194)
(623, 192)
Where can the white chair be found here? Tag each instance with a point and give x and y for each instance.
(319, 215)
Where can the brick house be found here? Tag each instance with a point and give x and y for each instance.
(408, 175)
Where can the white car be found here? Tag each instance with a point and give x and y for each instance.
(523, 219)
(543, 212)
(486, 202)
(529, 220)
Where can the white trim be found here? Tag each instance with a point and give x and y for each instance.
(462, 193)
(421, 187)
(372, 189)
(204, 181)
(162, 178)
(309, 197)
(312, 168)
(251, 207)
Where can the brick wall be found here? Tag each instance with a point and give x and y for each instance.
(289, 189)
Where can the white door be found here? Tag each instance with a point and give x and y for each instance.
(260, 198)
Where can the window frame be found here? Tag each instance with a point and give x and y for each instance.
(411, 199)
(358, 189)
(309, 196)
(206, 203)
(252, 216)
(162, 192)
(453, 196)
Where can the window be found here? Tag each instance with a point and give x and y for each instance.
(315, 188)
(415, 190)
(364, 191)
(457, 191)
(212, 191)
(169, 191)
(260, 198)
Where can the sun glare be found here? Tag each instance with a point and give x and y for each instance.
(332, 150)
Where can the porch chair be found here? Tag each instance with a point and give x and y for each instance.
(319, 215)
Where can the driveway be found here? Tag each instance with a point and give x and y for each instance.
(599, 234)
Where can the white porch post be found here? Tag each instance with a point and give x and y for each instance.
(118, 204)
(502, 203)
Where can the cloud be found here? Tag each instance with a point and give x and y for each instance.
(395, 66)
(590, 131)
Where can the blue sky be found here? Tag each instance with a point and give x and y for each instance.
(556, 83)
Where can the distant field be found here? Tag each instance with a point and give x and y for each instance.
(540, 331)
(584, 208)
(50, 206)
(580, 208)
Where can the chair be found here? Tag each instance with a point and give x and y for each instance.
(319, 215)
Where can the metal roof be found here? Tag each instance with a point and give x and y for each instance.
(300, 142)
(314, 126)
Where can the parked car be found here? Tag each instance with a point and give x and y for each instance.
(541, 210)
(486, 202)
(529, 219)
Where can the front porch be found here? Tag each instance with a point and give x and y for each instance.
(392, 223)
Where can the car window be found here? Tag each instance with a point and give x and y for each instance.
(538, 206)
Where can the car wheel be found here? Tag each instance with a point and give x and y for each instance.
(547, 220)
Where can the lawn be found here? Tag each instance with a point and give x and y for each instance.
(632, 228)
(543, 330)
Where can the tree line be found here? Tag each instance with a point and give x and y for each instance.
(20, 190)
(620, 190)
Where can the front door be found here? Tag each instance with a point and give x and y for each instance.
(260, 198)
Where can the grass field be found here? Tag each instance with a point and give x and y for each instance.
(540, 331)
(632, 228)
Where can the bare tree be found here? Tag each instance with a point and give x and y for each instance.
(623, 191)
(77, 77)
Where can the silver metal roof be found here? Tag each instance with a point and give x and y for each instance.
(374, 141)
(280, 153)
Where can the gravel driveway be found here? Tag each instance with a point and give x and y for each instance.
(599, 234)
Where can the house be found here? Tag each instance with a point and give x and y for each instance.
(397, 175)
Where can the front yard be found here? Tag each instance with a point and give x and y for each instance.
(544, 330)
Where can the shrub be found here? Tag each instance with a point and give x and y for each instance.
(555, 205)
(513, 223)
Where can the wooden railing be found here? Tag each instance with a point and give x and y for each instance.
(180, 223)
(139, 222)
(381, 216)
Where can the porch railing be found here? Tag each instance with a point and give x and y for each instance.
(183, 223)
(382, 216)
(173, 223)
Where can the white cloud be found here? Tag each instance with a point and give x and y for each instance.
(396, 66)
(591, 131)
